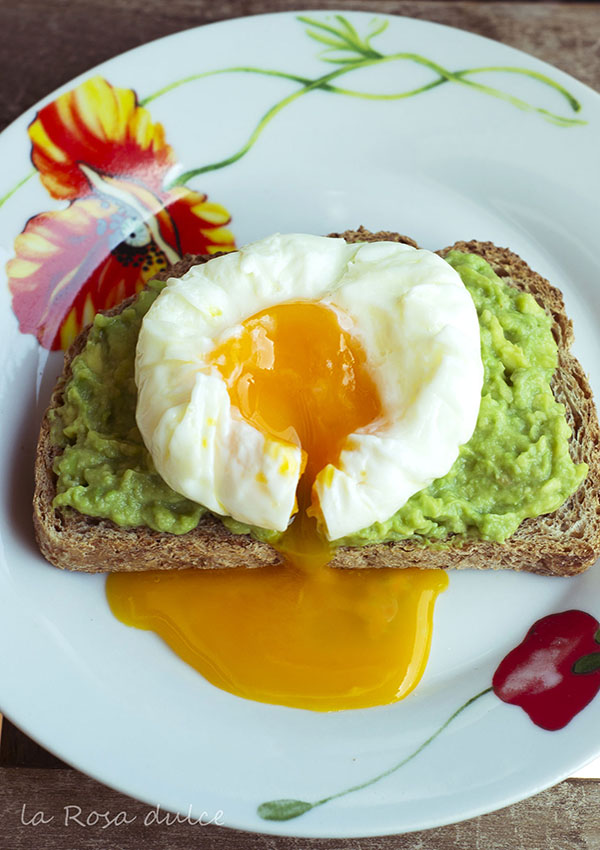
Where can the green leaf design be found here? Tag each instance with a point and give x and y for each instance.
(345, 33)
(324, 39)
(338, 60)
(345, 37)
(283, 809)
(597, 636)
(379, 26)
(587, 663)
(348, 28)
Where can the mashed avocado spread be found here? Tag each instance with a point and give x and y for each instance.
(516, 464)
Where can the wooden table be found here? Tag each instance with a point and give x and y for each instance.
(45, 45)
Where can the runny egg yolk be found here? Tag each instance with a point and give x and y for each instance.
(301, 633)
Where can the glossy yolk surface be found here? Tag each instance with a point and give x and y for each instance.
(299, 634)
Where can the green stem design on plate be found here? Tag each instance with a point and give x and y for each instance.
(345, 48)
(12, 191)
(304, 81)
(266, 118)
(286, 809)
(235, 69)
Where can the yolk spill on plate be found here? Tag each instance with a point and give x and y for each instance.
(299, 634)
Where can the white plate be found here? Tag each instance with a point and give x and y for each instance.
(454, 162)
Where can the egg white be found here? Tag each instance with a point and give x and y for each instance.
(417, 325)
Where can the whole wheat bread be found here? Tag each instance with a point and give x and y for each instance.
(562, 543)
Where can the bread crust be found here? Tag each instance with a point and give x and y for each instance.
(563, 543)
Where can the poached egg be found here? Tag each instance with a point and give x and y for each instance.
(309, 387)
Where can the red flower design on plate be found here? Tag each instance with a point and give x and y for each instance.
(96, 148)
(555, 671)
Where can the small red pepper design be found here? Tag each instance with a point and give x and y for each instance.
(555, 672)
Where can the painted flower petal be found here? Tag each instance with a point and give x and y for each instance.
(200, 223)
(104, 127)
(181, 221)
(72, 263)
(540, 676)
(64, 271)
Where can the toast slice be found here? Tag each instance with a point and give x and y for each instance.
(562, 543)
